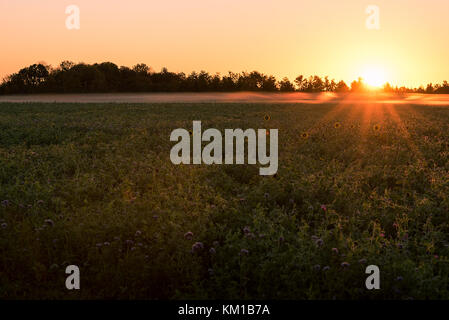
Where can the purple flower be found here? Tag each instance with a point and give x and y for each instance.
(197, 246)
(106, 244)
(138, 233)
(244, 252)
(335, 250)
(319, 242)
(246, 230)
(281, 239)
(188, 235)
(326, 268)
(345, 264)
(129, 242)
(212, 251)
(362, 261)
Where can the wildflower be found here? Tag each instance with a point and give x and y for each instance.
(5, 203)
(376, 127)
(337, 125)
(133, 248)
(345, 264)
(250, 235)
(246, 230)
(49, 222)
(244, 252)
(188, 235)
(106, 244)
(314, 238)
(266, 117)
(362, 261)
(304, 135)
(212, 251)
(129, 242)
(400, 246)
(4, 225)
(335, 250)
(436, 256)
(197, 246)
(140, 244)
(319, 242)
(395, 225)
(323, 207)
(382, 235)
(326, 268)
(155, 217)
(261, 235)
(317, 267)
(40, 202)
(138, 233)
(281, 239)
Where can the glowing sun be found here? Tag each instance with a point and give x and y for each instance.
(374, 76)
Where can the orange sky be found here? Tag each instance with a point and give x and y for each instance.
(282, 37)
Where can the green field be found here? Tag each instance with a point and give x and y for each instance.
(93, 185)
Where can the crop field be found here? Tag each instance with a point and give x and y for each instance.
(92, 185)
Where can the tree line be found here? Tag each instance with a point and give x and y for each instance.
(70, 77)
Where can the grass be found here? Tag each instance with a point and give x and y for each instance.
(93, 185)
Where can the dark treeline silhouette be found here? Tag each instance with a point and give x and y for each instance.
(69, 77)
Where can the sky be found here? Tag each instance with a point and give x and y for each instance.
(278, 37)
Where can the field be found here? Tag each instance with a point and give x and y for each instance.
(93, 185)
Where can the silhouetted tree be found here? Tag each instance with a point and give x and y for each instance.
(108, 77)
(286, 86)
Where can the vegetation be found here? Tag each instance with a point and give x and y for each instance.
(69, 77)
(93, 186)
